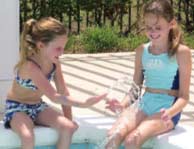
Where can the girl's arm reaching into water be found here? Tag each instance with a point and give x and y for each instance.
(47, 89)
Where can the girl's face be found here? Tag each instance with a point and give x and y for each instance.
(55, 48)
(157, 28)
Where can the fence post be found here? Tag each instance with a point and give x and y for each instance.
(9, 45)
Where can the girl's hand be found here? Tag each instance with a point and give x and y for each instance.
(93, 100)
(165, 117)
(114, 105)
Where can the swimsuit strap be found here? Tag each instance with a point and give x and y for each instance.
(33, 61)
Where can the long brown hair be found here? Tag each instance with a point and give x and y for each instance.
(163, 8)
(44, 30)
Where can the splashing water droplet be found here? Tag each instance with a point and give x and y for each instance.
(124, 86)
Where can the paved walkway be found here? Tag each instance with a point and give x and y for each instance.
(91, 74)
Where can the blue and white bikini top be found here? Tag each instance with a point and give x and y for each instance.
(27, 83)
(160, 71)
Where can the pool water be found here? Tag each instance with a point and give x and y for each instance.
(74, 146)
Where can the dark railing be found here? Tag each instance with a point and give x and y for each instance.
(79, 14)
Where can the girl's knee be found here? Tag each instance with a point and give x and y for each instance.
(74, 126)
(132, 140)
(120, 130)
(129, 142)
(117, 134)
(68, 126)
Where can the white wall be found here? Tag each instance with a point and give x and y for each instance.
(9, 44)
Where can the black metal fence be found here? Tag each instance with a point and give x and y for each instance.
(79, 14)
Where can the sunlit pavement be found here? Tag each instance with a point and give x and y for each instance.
(92, 74)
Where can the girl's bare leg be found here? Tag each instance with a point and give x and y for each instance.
(128, 121)
(148, 128)
(64, 126)
(23, 126)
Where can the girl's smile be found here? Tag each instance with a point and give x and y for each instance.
(156, 27)
(154, 37)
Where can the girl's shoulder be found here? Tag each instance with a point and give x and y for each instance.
(27, 68)
(183, 50)
(183, 53)
(141, 48)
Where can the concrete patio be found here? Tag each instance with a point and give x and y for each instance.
(92, 74)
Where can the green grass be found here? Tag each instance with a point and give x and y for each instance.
(106, 39)
(188, 39)
(102, 40)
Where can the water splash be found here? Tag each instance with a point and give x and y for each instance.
(121, 88)
(125, 86)
(101, 144)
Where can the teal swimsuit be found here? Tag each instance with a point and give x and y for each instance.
(160, 72)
